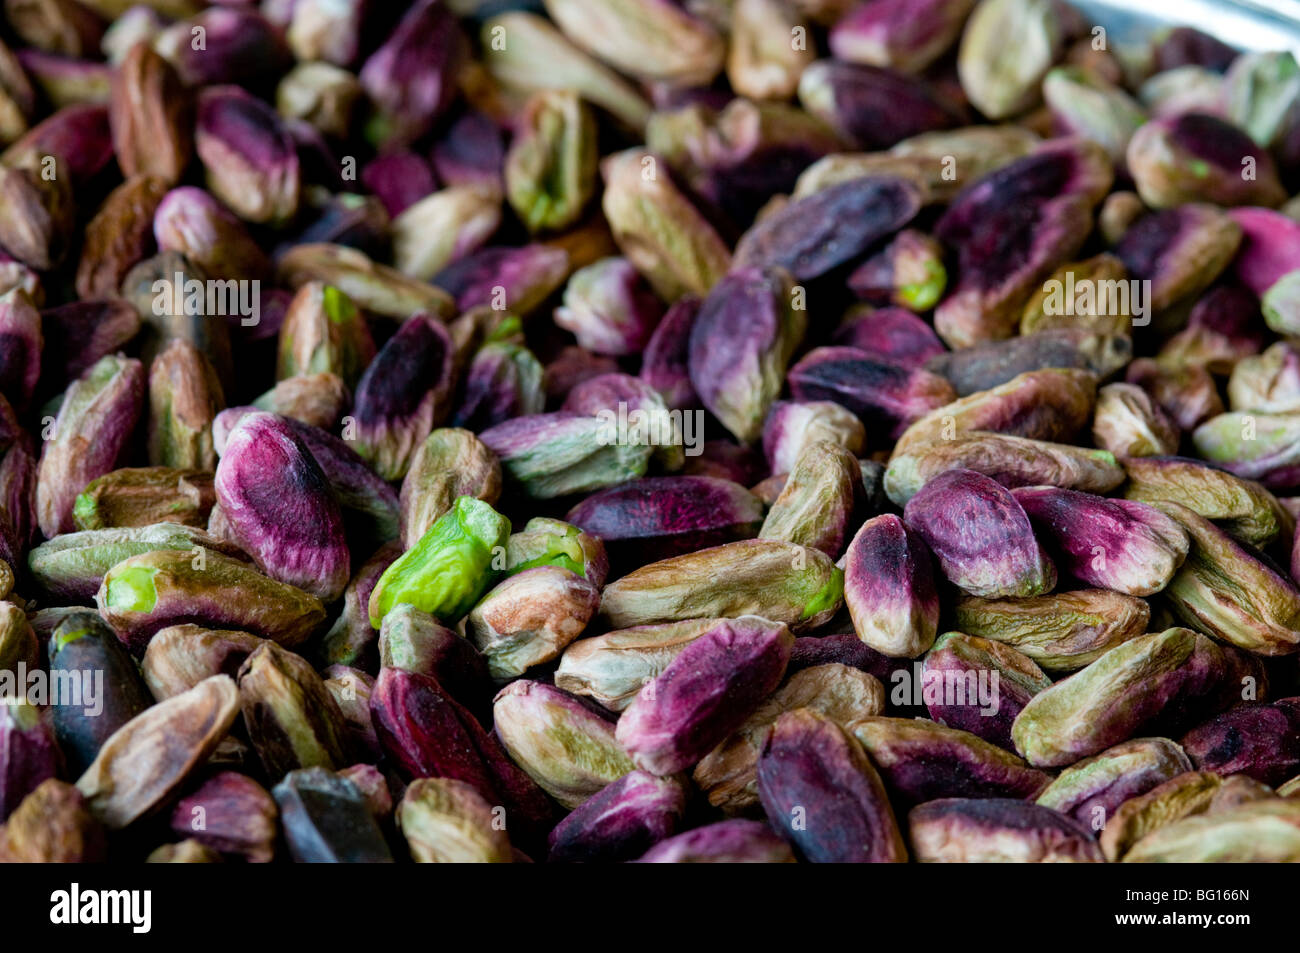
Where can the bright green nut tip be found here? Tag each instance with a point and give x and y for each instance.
(132, 590)
(924, 295)
(830, 596)
(338, 306)
(62, 639)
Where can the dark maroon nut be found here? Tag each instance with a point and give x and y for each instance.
(78, 135)
(1091, 790)
(880, 392)
(621, 822)
(704, 694)
(351, 689)
(326, 820)
(371, 510)
(412, 78)
(1224, 327)
(17, 491)
(280, 507)
(744, 335)
(815, 234)
(889, 588)
(29, 753)
(344, 219)
(399, 179)
(21, 343)
(891, 334)
(240, 46)
(981, 536)
(921, 760)
(352, 640)
(1181, 251)
(86, 657)
(518, 279)
(79, 333)
(404, 394)
(848, 649)
(1122, 545)
(985, 366)
(425, 733)
(979, 685)
(666, 358)
(1011, 230)
(992, 830)
(503, 381)
(1188, 46)
(1260, 741)
(873, 107)
(250, 159)
(726, 842)
(413, 640)
(643, 521)
(822, 793)
(726, 460)
(472, 152)
(232, 814)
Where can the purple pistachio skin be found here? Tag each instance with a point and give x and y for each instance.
(240, 46)
(1193, 156)
(963, 665)
(822, 231)
(503, 381)
(1010, 230)
(873, 107)
(891, 334)
(1260, 741)
(412, 78)
(665, 361)
(607, 391)
(352, 640)
(356, 486)
(528, 274)
(1188, 46)
(985, 366)
(250, 158)
(472, 152)
(906, 34)
(1270, 247)
(17, 500)
(404, 394)
(79, 135)
(79, 333)
(704, 694)
(1123, 545)
(1168, 248)
(20, 348)
(281, 508)
(822, 793)
(1013, 830)
(242, 814)
(1094, 788)
(980, 535)
(643, 521)
(610, 308)
(621, 822)
(28, 754)
(881, 392)
(190, 221)
(726, 842)
(889, 587)
(813, 650)
(425, 733)
(399, 179)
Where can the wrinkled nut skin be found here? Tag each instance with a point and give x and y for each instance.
(567, 748)
(898, 34)
(248, 156)
(557, 454)
(725, 842)
(1128, 547)
(1129, 423)
(413, 640)
(150, 757)
(986, 684)
(780, 581)
(704, 694)
(52, 825)
(742, 339)
(1259, 741)
(1179, 250)
(184, 397)
(985, 366)
(821, 792)
(1092, 790)
(889, 588)
(621, 822)
(1264, 831)
(529, 618)
(792, 425)
(231, 814)
(91, 432)
(980, 535)
(654, 518)
(918, 759)
(144, 496)
(1115, 697)
(993, 830)
(549, 542)
(181, 656)
(280, 509)
(818, 501)
(447, 822)
(151, 115)
(451, 463)
(728, 774)
(1194, 157)
(1187, 794)
(326, 820)
(152, 591)
(1062, 632)
(29, 754)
